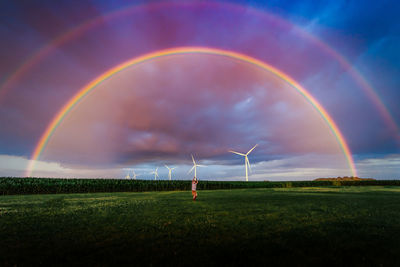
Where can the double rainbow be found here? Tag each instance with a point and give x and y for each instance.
(91, 23)
(179, 51)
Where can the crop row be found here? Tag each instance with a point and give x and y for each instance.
(13, 186)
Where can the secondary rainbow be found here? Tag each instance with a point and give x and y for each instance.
(91, 23)
(179, 51)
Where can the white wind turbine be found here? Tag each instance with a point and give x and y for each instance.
(155, 173)
(246, 160)
(134, 175)
(127, 176)
(169, 171)
(195, 167)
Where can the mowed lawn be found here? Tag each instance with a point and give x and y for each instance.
(352, 226)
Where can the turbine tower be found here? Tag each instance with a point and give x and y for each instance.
(155, 173)
(169, 171)
(195, 167)
(246, 160)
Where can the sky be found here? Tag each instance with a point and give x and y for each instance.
(162, 110)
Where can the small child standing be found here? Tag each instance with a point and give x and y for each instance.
(194, 185)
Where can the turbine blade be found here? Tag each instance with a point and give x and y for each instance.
(251, 149)
(201, 165)
(194, 162)
(241, 154)
(167, 167)
(191, 169)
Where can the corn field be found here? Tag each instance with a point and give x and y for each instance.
(13, 186)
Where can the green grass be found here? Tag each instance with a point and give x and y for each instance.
(352, 226)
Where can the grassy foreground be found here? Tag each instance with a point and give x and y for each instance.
(343, 226)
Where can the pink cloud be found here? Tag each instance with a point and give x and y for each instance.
(169, 108)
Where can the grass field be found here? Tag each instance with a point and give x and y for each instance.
(352, 226)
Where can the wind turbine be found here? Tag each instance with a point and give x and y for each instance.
(155, 173)
(246, 160)
(127, 176)
(134, 175)
(169, 171)
(195, 167)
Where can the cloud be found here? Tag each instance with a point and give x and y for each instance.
(290, 168)
(304, 167)
(205, 105)
(384, 167)
(15, 166)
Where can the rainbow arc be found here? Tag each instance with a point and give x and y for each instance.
(57, 120)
